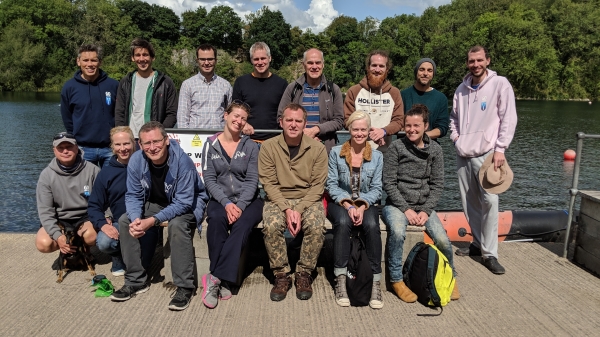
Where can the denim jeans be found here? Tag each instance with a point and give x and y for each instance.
(396, 223)
(342, 226)
(106, 244)
(99, 156)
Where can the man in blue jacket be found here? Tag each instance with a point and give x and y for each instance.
(87, 106)
(162, 185)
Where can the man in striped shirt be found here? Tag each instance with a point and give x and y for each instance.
(321, 99)
(204, 97)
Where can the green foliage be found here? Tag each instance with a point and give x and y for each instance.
(270, 27)
(20, 73)
(223, 28)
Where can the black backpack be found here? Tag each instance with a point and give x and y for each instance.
(359, 280)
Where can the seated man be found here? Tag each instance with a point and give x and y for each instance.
(413, 178)
(162, 185)
(62, 195)
(292, 168)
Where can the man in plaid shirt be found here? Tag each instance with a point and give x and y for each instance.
(204, 97)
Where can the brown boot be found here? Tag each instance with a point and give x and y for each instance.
(455, 293)
(282, 284)
(403, 292)
(303, 285)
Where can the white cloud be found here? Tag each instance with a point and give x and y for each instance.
(317, 17)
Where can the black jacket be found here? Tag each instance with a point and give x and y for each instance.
(164, 101)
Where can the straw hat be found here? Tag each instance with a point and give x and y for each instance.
(495, 182)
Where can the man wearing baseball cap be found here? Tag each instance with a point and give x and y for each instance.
(421, 92)
(62, 195)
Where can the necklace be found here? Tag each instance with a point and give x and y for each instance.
(159, 166)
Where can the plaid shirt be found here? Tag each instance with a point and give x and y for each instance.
(202, 103)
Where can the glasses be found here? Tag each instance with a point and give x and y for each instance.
(156, 143)
(209, 59)
(63, 135)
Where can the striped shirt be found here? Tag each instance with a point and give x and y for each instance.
(202, 104)
(310, 102)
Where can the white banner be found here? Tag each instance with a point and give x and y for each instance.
(192, 144)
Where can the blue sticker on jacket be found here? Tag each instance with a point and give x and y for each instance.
(108, 100)
(484, 103)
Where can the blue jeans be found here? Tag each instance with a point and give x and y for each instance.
(396, 223)
(99, 156)
(108, 245)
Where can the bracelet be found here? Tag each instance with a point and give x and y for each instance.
(350, 207)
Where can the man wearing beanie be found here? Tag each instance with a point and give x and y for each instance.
(422, 93)
(62, 195)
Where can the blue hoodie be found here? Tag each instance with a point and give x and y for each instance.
(183, 186)
(109, 191)
(88, 109)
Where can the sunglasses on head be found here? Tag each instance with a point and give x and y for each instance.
(63, 135)
(242, 103)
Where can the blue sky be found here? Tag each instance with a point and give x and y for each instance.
(313, 14)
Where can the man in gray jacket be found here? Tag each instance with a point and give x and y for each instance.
(321, 99)
(62, 195)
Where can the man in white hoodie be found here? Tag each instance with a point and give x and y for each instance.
(482, 122)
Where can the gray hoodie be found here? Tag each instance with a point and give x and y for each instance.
(63, 195)
(235, 182)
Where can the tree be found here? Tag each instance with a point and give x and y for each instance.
(223, 28)
(193, 27)
(154, 21)
(270, 27)
(21, 57)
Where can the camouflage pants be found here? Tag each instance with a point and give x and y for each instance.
(313, 226)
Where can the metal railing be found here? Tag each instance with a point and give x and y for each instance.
(194, 131)
(574, 191)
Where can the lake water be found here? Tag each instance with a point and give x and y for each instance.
(28, 121)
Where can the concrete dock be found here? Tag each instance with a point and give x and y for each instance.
(541, 294)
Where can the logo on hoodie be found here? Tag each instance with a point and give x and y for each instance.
(484, 103)
(108, 98)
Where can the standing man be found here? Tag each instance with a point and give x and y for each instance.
(482, 123)
(293, 168)
(145, 94)
(87, 106)
(376, 95)
(162, 185)
(321, 99)
(422, 93)
(204, 97)
(262, 91)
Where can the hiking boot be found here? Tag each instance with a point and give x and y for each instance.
(376, 301)
(303, 285)
(224, 291)
(210, 290)
(455, 293)
(282, 284)
(403, 292)
(493, 265)
(472, 250)
(118, 266)
(181, 298)
(128, 292)
(341, 295)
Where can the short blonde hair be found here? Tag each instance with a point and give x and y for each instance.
(118, 129)
(358, 115)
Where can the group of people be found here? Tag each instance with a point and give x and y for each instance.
(121, 207)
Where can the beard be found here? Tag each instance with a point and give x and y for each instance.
(376, 81)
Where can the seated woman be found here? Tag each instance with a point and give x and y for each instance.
(230, 174)
(109, 192)
(354, 184)
(413, 178)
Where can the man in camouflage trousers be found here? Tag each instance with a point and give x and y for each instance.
(292, 168)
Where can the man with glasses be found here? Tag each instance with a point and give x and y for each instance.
(162, 185)
(251, 89)
(322, 100)
(204, 97)
(87, 106)
(145, 94)
(62, 196)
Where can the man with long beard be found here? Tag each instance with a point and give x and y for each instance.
(382, 101)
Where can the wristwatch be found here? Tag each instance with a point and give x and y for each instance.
(156, 221)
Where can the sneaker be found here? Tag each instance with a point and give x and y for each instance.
(210, 291)
(181, 298)
(341, 295)
(128, 292)
(376, 301)
(493, 265)
(225, 291)
(472, 250)
(303, 285)
(118, 266)
(282, 284)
